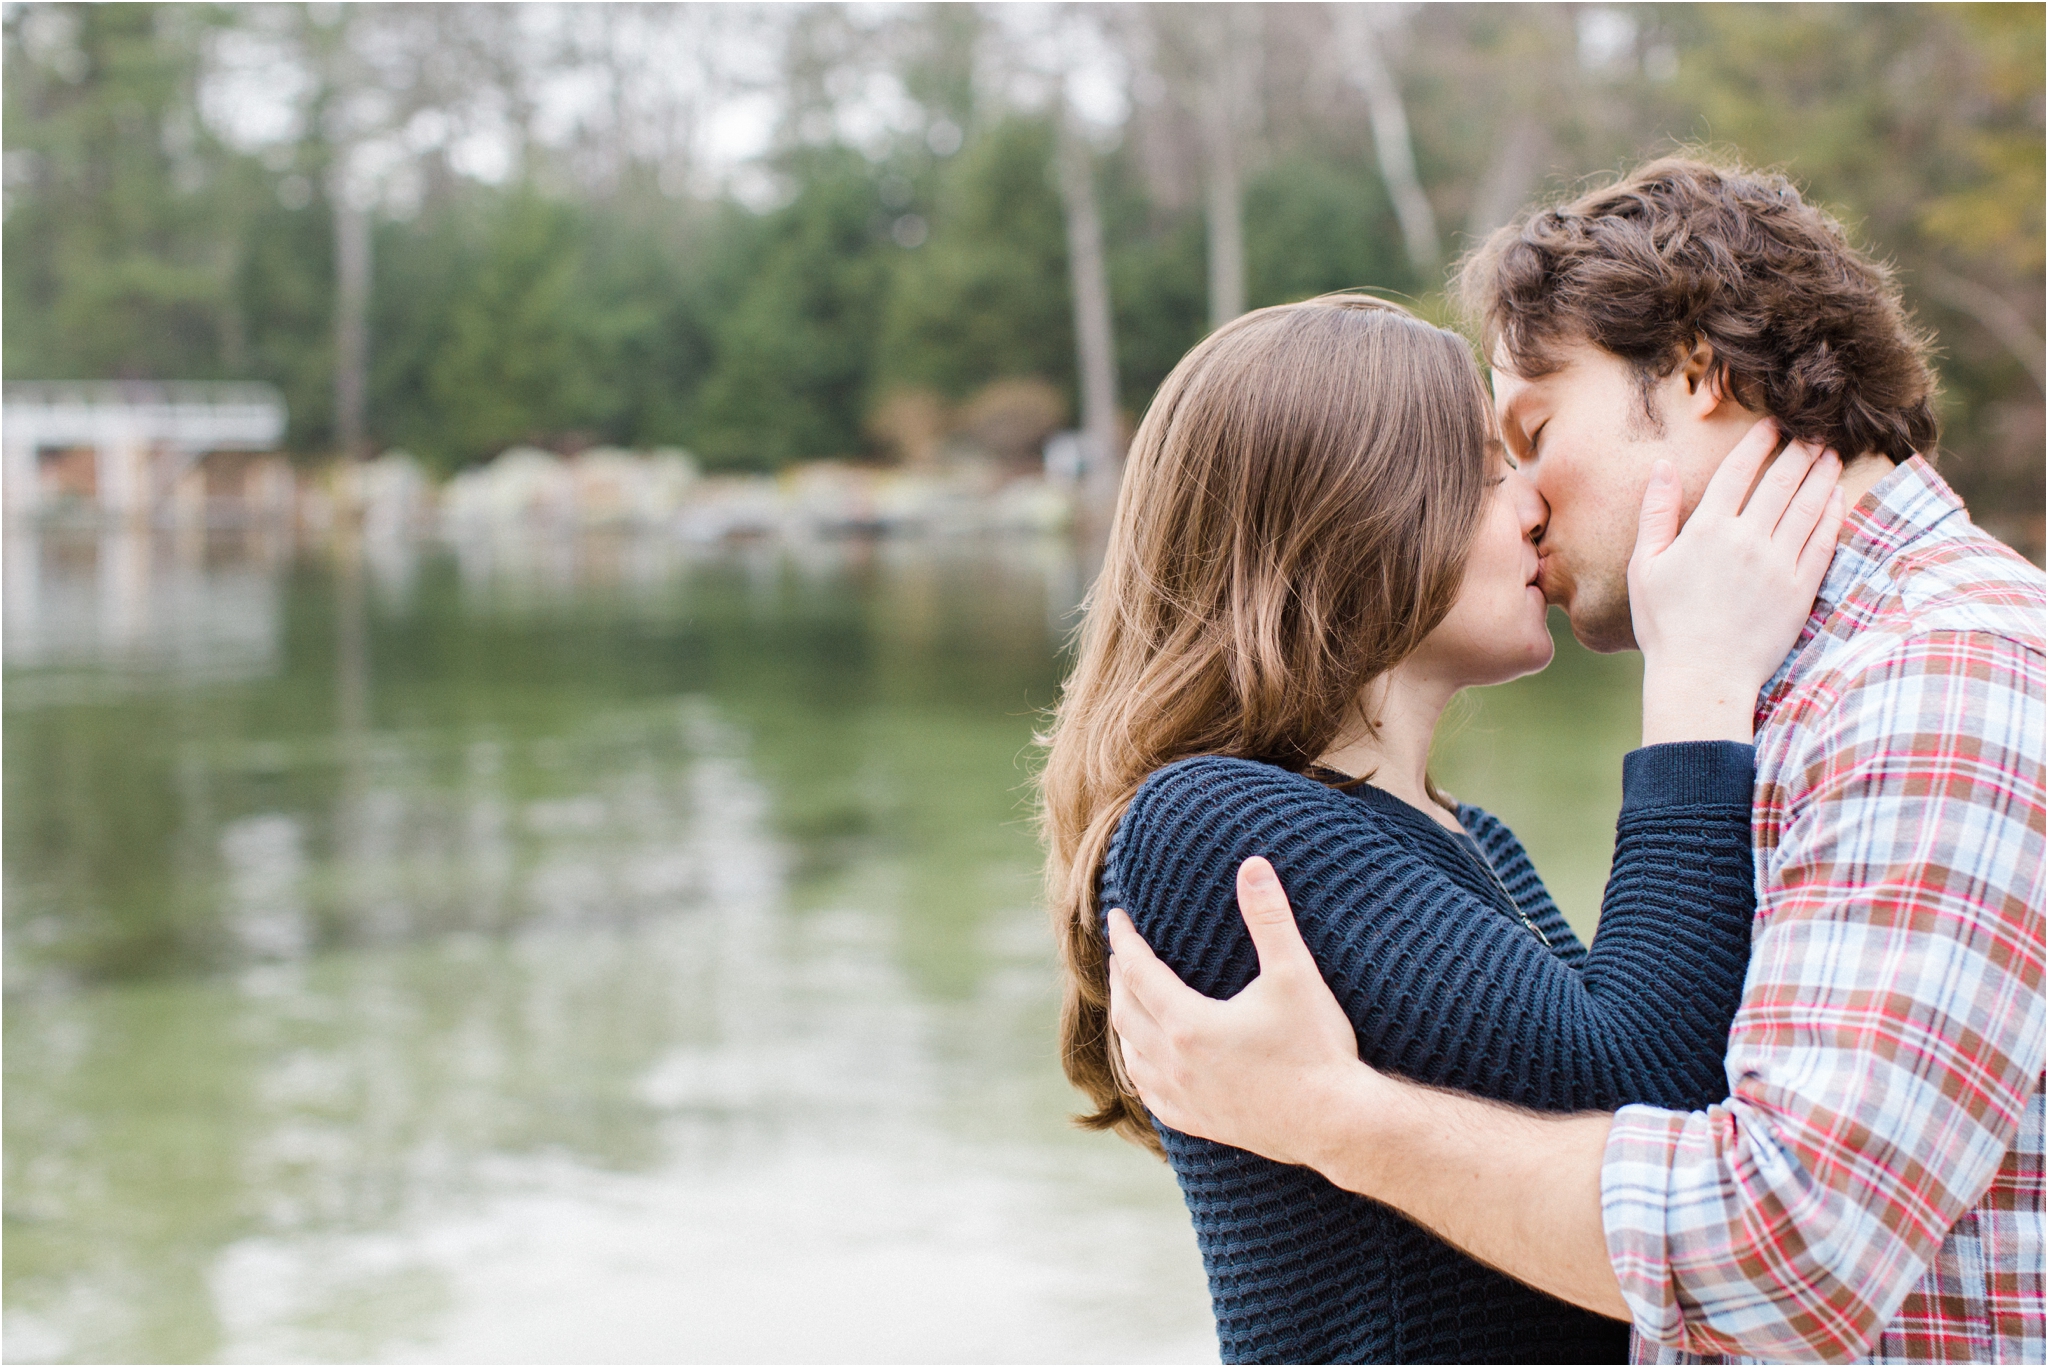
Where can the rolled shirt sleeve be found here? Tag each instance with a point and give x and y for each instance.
(1890, 1039)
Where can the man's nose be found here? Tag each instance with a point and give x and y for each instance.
(1530, 507)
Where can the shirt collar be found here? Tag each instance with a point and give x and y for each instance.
(1901, 508)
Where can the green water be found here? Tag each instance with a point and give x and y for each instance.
(581, 950)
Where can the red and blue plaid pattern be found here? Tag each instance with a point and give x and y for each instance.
(1872, 1188)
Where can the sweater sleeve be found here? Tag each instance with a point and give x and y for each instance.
(1442, 984)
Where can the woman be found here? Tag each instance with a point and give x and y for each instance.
(1318, 544)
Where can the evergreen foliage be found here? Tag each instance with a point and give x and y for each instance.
(116, 265)
(986, 296)
(514, 359)
(562, 305)
(798, 341)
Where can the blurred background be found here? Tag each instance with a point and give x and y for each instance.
(538, 538)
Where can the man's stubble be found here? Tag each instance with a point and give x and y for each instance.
(1598, 610)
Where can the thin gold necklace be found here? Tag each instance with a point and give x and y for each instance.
(1494, 874)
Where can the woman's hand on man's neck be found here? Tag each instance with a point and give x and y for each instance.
(1405, 705)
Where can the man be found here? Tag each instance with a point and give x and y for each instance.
(1872, 1187)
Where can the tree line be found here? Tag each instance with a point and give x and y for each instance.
(450, 228)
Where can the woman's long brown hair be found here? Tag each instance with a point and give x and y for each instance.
(1294, 519)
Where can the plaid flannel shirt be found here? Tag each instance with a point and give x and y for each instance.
(1872, 1188)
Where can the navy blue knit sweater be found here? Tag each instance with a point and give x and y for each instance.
(1417, 931)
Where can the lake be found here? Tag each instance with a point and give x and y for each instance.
(583, 948)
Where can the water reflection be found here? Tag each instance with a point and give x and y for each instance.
(580, 948)
(111, 605)
(558, 951)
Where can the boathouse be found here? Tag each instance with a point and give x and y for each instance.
(135, 451)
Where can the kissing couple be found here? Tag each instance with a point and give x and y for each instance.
(1787, 1105)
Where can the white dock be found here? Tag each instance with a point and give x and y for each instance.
(144, 436)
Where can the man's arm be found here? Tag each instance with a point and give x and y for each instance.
(1276, 1070)
(1890, 1040)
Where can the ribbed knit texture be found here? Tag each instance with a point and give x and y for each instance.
(1445, 985)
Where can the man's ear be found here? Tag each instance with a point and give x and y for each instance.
(1704, 382)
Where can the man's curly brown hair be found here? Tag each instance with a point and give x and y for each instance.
(1804, 327)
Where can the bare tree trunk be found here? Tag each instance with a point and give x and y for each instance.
(1226, 211)
(351, 312)
(1227, 45)
(330, 44)
(1360, 46)
(327, 39)
(1516, 168)
(1093, 330)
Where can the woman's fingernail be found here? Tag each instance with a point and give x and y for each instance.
(1258, 873)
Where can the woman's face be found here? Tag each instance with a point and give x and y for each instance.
(1496, 631)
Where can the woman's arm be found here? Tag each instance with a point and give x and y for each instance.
(1439, 984)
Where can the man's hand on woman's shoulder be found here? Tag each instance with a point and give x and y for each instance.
(1275, 1070)
(1258, 1072)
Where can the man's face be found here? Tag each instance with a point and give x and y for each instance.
(1587, 434)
